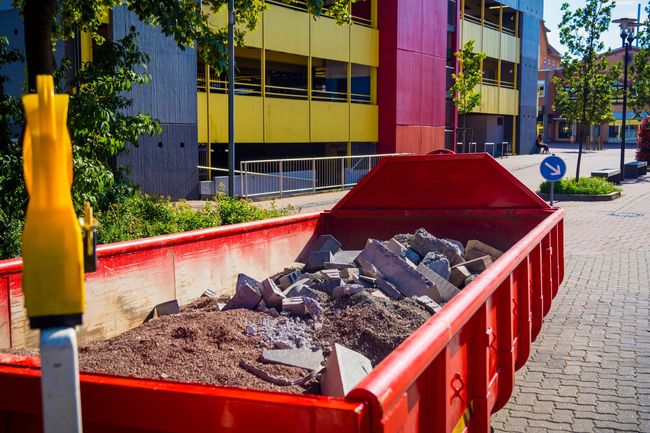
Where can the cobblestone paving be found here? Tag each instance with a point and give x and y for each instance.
(589, 370)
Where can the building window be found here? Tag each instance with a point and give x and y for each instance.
(472, 11)
(490, 71)
(286, 75)
(248, 81)
(361, 84)
(362, 12)
(508, 74)
(509, 21)
(541, 88)
(329, 80)
(492, 12)
(564, 130)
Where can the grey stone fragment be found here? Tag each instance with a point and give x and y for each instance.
(271, 294)
(369, 280)
(294, 306)
(296, 284)
(336, 266)
(473, 254)
(460, 245)
(388, 289)
(476, 266)
(261, 307)
(399, 250)
(413, 256)
(345, 257)
(438, 263)
(220, 305)
(429, 304)
(210, 293)
(302, 358)
(347, 290)
(368, 269)
(273, 312)
(328, 285)
(317, 259)
(245, 279)
(302, 290)
(477, 246)
(313, 308)
(245, 297)
(327, 243)
(345, 369)
(444, 289)
(458, 275)
(396, 271)
(330, 274)
(167, 308)
(287, 280)
(404, 239)
(424, 242)
(350, 274)
(470, 279)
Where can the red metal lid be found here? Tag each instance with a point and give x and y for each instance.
(470, 181)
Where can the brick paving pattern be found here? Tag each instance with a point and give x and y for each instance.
(589, 369)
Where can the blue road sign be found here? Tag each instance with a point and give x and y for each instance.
(552, 168)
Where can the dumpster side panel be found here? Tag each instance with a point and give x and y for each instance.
(133, 277)
(5, 318)
(461, 364)
(112, 404)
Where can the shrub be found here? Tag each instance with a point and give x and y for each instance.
(586, 185)
(643, 141)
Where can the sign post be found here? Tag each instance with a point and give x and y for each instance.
(552, 169)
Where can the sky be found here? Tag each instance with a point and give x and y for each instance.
(624, 9)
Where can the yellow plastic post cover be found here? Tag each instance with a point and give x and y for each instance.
(53, 281)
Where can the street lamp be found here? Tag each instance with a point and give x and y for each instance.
(627, 37)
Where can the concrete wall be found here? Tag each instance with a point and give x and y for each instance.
(164, 164)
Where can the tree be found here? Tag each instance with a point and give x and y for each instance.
(467, 95)
(585, 89)
(640, 71)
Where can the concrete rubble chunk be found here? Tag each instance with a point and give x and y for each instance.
(301, 290)
(336, 266)
(294, 306)
(328, 285)
(399, 250)
(317, 259)
(298, 283)
(476, 247)
(221, 305)
(167, 308)
(347, 290)
(429, 304)
(210, 293)
(350, 274)
(246, 297)
(424, 242)
(313, 308)
(444, 289)
(245, 279)
(458, 275)
(460, 245)
(327, 243)
(271, 293)
(302, 358)
(368, 269)
(388, 289)
(413, 256)
(287, 280)
(345, 257)
(469, 279)
(438, 263)
(345, 369)
(478, 265)
(396, 271)
(330, 274)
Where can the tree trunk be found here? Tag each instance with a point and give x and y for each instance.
(38, 19)
(580, 137)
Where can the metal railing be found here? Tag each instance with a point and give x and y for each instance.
(281, 177)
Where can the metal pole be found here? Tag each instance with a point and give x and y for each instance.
(281, 182)
(625, 62)
(313, 176)
(342, 173)
(231, 98)
(552, 191)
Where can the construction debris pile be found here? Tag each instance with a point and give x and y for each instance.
(316, 328)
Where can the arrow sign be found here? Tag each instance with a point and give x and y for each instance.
(552, 168)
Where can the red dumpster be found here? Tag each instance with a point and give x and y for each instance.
(450, 375)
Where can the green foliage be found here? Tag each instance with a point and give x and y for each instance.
(467, 96)
(585, 88)
(640, 71)
(142, 215)
(586, 185)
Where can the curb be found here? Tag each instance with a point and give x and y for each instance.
(581, 197)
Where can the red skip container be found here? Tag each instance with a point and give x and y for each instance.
(449, 376)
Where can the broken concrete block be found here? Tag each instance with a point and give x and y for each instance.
(272, 312)
(458, 275)
(245, 297)
(368, 269)
(328, 285)
(477, 246)
(287, 280)
(221, 305)
(459, 244)
(345, 257)
(210, 293)
(473, 254)
(438, 263)
(330, 274)
(298, 283)
(388, 289)
(271, 293)
(327, 243)
(349, 273)
(294, 306)
(302, 358)
(347, 290)
(261, 307)
(399, 250)
(317, 259)
(470, 279)
(313, 308)
(396, 271)
(444, 289)
(424, 242)
(245, 279)
(429, 304)
(301, 290)
(166, 308)
(478, 265)
(413, 256)
(345, 369)
(379, 294)
(336, 266)
(368, 280)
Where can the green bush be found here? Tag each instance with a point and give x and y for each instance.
(586, 185)
(142, 215)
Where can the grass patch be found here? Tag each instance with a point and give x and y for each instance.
(143, 215)
(586, 185)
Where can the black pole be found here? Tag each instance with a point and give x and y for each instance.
(231, 98)
(625, 62)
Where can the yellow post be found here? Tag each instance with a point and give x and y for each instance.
(53, 281)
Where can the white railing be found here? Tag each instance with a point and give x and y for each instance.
(280, 177)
